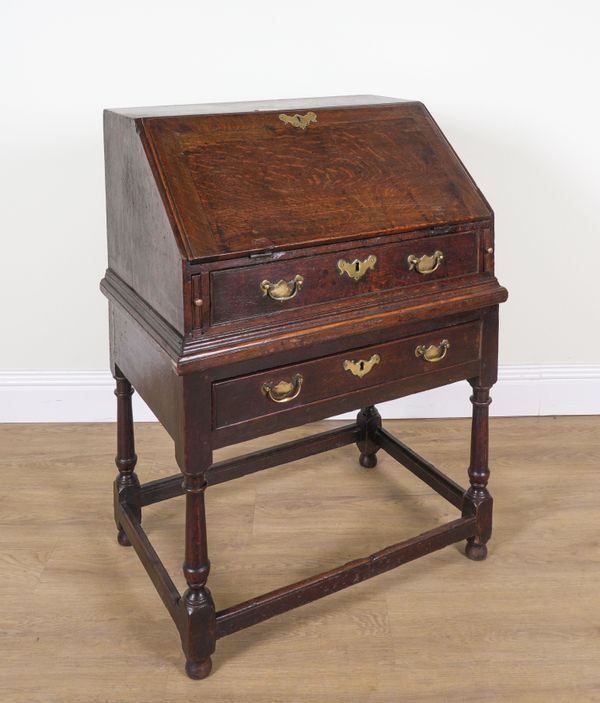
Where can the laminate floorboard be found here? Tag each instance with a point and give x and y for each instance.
(80, 620)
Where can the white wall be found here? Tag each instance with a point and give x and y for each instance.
(514, 85)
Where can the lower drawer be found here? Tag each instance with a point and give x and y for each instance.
(278, 390)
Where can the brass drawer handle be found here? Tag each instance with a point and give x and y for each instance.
(356, 269)
(425, 264)
(361, 368)
(299, 121)
(433, 353)
(282, 290)
(284, 391)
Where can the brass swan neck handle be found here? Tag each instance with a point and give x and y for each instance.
(425, 264)
(283, 391)
(282, 290)
(433, 352)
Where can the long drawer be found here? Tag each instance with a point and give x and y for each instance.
(278, 287)
(278, 390)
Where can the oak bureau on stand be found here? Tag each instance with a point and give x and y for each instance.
(276, 263)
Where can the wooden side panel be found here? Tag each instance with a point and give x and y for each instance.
(148, 368)
(142, 249)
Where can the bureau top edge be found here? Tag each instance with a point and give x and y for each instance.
(245, 106)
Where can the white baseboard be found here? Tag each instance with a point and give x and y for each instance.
(86, 396)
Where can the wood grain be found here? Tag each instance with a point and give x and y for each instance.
(236, 293)
(136, 221)
(81, 621)
(240, 183)
(252, 192)
(240, 399)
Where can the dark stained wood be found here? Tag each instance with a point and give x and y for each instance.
(421, 468)
(237, 295)
(242, 183)
(477, 499)
(268, 424)
(242, 399)
(194, 455)
(158, 574)
(283, 599)
(206, 202)
(343, 307)
(149, 366)
(172, 486)
(198, 637)
(369, 423)
(250, 345)
(281, 454)
(162, 489)
(126, 485)
(141, 245)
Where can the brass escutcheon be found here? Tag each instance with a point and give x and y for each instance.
(299, 121)
(433, 353)
(282, 290)
(356, 269)
(284, 391)
(425, 264)
(361, 368)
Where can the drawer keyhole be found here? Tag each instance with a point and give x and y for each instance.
(356, 269)
(361, 368)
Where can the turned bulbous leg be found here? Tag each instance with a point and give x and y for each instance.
(127, 485)
(477, 499)
(369, 421)
(198, 637)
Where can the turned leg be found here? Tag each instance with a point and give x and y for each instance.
(126, 485)
(369, 421)
(477, 500)
(199, 630)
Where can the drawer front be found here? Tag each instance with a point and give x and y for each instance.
(279, 390)
(278, 287)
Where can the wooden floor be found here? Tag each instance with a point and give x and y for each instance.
(80, 621)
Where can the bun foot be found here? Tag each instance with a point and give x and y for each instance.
(368, 461)
(122, 538)
(198, 670)
(476, 552)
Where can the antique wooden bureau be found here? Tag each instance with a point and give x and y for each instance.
(276, 263)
